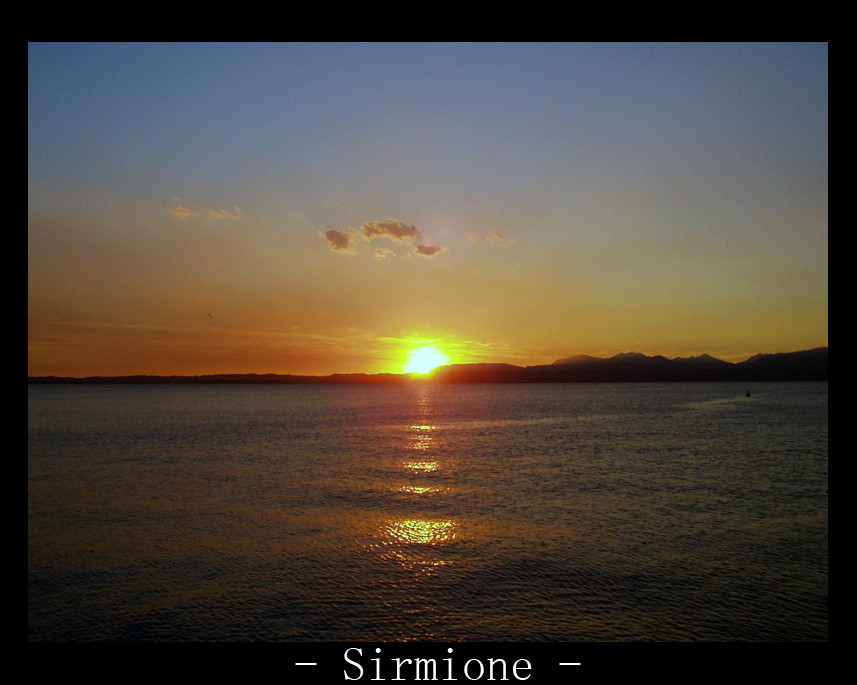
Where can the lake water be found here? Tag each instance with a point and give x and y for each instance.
(568, 512)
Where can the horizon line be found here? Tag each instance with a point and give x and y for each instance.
(425, 375)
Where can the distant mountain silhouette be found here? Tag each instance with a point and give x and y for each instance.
(633, 366)
(808, 365)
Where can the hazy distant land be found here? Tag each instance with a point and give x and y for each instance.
(629, 367)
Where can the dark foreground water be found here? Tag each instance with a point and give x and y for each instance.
(619, 512)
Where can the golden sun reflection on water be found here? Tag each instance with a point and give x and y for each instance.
(418, 489)
(423, 466)
(421, 532)
(417, 544)
(420, 437)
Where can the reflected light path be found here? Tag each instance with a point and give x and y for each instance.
(420, 438)
(418, 542)
(422, 466)
(420, 532)
(419, 489)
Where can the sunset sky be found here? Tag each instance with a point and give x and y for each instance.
(324, 208)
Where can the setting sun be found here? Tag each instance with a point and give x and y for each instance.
(424, 359)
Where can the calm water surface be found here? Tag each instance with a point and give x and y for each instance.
(566, 512)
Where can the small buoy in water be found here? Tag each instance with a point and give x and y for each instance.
(748, 394)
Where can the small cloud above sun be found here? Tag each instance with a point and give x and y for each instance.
(424, 359)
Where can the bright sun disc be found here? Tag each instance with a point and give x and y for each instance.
(424, 359)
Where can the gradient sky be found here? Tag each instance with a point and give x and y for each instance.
(322, 208)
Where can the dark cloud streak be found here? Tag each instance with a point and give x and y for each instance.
(429, 250)
(340, 241)
(393, 228)
(345, 241)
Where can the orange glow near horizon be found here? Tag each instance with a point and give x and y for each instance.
(424, 359)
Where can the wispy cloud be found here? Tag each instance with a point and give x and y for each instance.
(496, 237)
(492, 237)
(398, 231)
(182, 212)
(224, 213)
